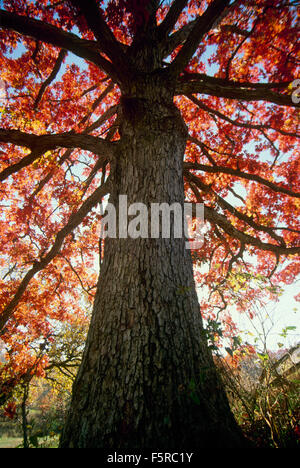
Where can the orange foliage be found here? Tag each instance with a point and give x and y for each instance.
(242, 151)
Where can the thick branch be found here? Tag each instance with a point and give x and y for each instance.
(233, 90)
(41, 31)
(211, 215)
(231, 209)
(106, 40)
(177, 38)
(109, 113)
(202, 77)
(242, 175)
(249, 125)
(220, 220)
(63, 140)
(203, 24)
(74, 221)
(103, 118)
(171, 18)
(39, 144)
(24, 162)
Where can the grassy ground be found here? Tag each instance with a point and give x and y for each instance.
(14, 442)
(10, 442)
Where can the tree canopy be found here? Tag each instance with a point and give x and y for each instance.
(64, 66)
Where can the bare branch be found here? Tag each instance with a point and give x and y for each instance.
(51, 141)
(51, 77)
(41, 31)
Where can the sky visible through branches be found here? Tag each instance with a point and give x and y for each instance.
(284, 314)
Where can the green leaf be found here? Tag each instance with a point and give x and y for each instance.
(263, 357)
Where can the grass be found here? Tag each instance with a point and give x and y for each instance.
(10, 442)
(16, 442)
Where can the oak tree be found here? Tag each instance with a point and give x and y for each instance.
(164, 102)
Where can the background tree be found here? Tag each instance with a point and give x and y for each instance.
(36, 401)
(163, 102)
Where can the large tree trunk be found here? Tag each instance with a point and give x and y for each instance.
(147, 378)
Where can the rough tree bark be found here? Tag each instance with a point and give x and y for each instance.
(147, 378)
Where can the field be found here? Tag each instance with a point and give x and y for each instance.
(10, 442)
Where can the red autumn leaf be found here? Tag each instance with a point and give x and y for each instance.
(10, 410)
